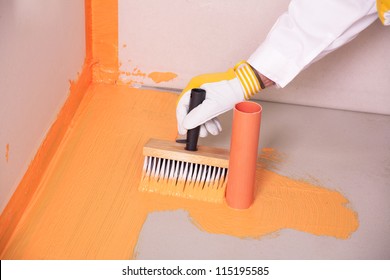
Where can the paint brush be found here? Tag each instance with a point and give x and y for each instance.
(194, 172)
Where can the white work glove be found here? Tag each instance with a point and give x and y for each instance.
(223, 91)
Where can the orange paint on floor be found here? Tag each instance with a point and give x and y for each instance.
(87, 205)
(159, 77)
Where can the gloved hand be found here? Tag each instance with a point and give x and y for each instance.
(223, 91)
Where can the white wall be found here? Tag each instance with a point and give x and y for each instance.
(200, 36)
(42, 47)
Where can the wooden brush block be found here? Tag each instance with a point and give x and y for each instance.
(211, 156)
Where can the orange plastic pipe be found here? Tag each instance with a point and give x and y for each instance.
(243, 155)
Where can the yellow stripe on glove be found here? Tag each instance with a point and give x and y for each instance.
(248, 79)
(383, 7)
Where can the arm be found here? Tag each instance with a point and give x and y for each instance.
(309, 30)
(306, 32)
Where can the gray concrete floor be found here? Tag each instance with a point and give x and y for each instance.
(341, 150)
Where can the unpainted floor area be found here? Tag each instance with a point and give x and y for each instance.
(87, 205)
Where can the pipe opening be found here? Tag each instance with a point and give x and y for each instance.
(248, 107)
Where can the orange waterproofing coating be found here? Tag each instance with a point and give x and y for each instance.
(243, 155)
(87, 205)
(102, 39)
(159, 77)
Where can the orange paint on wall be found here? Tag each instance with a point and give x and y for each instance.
(7, 152)
(102, 39)
(159, 77)
(88, 206)
(137, 72)
(137, 77)
(102, 45)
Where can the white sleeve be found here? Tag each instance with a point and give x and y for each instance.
(308, 31)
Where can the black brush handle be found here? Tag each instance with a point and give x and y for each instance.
(198, 95)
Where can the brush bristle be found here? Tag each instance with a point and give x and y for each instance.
(184, 179)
